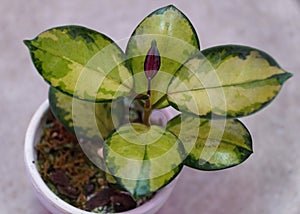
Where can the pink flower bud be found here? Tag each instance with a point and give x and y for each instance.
(152, 61)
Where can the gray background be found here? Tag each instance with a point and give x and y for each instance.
(269, 182)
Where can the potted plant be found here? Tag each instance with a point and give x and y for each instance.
(106, 98)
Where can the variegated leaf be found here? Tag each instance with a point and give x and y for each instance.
(81, 62)
(227, 81)
(143, 159)
(212, 144)
(176, 41)
(89, 120)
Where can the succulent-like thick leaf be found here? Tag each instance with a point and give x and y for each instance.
(143, 159)
(227, 81)
(212, 144)
(91, 120)
(81, 62)
(176, 41)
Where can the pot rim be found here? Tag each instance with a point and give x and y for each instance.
(42, 189)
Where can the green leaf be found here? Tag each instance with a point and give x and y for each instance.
(81, 62)
(212, 144)
(143, 159)
(227, 81)
(91, 120)
(176, 41)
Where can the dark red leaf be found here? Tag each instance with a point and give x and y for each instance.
(152, 61)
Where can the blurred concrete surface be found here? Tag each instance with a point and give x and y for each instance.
(268, 183)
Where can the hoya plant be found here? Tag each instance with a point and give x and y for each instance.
(101, 93)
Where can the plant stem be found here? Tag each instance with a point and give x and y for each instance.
(147, 108)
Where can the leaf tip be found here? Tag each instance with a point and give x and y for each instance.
(164, 9)
(27, 43)
(171, 6)
(285, 77)
(289, 75)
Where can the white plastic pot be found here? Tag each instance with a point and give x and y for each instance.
(52, 202)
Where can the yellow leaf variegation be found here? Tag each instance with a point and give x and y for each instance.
(176, 41)
(81, 62)
(143, 159)
(87, 120)
(212, 144)
(226, 81)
